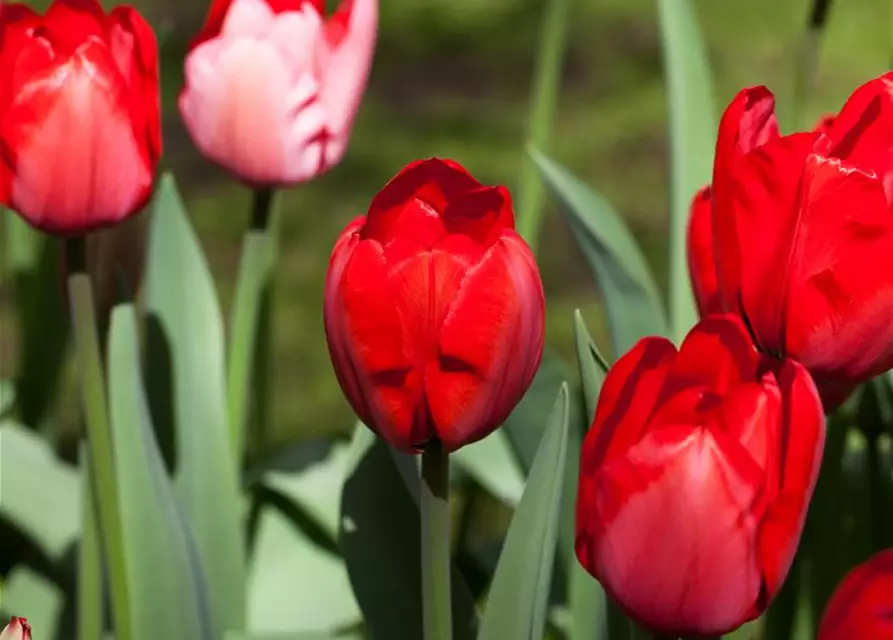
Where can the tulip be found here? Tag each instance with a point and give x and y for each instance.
(803, 236)
(695, 479)
(701, 265)
(273, 87)
(434, 309)
(17, 629)
(862, 604)
(80, 128)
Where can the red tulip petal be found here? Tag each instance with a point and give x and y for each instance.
(862, 604)
(679, 566)
(803, 441)
(765, 220)
(824, 123)
(68, 24)
(490, 345)
(435, 182)
(379, 349)
(16, 22)
(839, 302)
(749, 122)
(862, 134)
(717, 354)
(701, 263)
(481, 214)
(219, 8)
(627, 400)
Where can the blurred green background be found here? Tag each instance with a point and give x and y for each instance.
(452, 78)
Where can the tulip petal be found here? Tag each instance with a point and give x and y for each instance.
(626, 401)
(490, 344)
(697, 577)
(16, 23)
(481, 214)
(701, 261)
(102, 176)
(803, 441)
(69, 23)
(765, 219)
(839, 303)
(748, 123)
(862, 604)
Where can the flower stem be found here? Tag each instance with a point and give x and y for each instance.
(99, 435)
(435, 506)
(254, 270)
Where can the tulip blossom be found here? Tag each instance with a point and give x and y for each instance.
(17, 629)
(862, 604)
(273, 86)
(80, 128)
(803, 234)
(695, 479)
(434, 309)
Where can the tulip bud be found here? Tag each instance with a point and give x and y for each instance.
(803, 235)
(17, 629)
(434, 309)
(862, 604)
(273, 86)
(80, 124)
(695, 479)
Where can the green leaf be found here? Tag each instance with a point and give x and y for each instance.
(90, 594)
(492, 463)
(518, 597)
(381, 540)
(181, 299)
(593, 367)
(167, 590)
(692, 140)
(27, 594)
(44, 499)
(281, 598)
(631, 298)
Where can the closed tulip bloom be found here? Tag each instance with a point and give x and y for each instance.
(804, 234)
(695, 478)
(17, 629)
(862, 605)
(80, 128)
(273, 86)
(434, 309)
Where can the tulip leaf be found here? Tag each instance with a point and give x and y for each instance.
(692, 140)
(492, 464)
(518, 597)
(90, 595)
(380, 537)
(182, 302)
(593, 366)
(44, 499)
(280, 596)
(631, 297)
(167, 587)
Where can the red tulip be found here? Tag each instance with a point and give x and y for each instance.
(701, 265)
(862, 604)
(803, 235)
(695, 479)
(17, 629)
(273, 87)
(80, 128)
(434, 309)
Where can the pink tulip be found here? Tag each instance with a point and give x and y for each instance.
(17, 629)
(273, 86)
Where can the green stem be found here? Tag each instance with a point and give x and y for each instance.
(254, 270)
(435, 511)
(99, 436)
(543, 105)
(90, 593)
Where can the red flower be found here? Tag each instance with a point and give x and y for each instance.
(862, 604)
(80, 128)
(695, 478)
(434, 309)
(17, 629)
(803, 234)
(701, 266)
(273, 86)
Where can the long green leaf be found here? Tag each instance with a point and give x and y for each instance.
(692, 140)
(381, 542)
(90, 593)
(492, 463)
(593, 366)
(518, 597)
(631, 297)
(168, 597)
(41, 494)
(181, 298)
